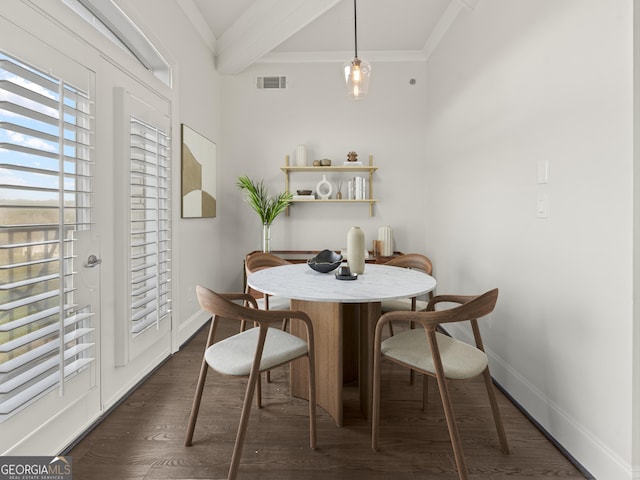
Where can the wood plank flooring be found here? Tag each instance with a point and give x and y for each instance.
(143, 438)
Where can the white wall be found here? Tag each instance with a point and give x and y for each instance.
(635, 396)
(260, 128)
(514, 83)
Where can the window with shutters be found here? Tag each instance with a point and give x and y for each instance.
(150, 226)
(45, 198)
(110, 21)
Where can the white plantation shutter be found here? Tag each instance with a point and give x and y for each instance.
(150, 226)
(45, 197)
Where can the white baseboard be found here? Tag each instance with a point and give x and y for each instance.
(145, 368)
(190, 326)
(576, 439)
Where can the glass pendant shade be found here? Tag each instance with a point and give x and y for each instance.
(357, 71)
(356, 74)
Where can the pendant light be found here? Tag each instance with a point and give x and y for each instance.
(357, 71)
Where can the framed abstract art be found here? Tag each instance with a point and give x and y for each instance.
(198, 175)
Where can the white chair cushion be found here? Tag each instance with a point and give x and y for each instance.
(234, 355)
(275, 303)
(402, 305)
(460, 360)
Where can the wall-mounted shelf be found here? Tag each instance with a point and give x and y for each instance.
(287, 169)
(361, 168)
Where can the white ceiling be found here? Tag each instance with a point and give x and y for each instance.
(243, 32)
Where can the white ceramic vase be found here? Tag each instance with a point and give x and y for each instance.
(355, 250)
(301, 155)
(324, 188)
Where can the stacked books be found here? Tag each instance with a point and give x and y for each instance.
(357, 188)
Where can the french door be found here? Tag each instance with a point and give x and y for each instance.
(134, 140)
(85, 238)
(49, 246)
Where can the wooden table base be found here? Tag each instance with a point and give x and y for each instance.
(344, 352)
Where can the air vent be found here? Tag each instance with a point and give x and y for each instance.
(271, 83)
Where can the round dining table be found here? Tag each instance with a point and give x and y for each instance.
(344, 314)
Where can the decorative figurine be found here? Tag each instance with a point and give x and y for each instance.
(352, 157)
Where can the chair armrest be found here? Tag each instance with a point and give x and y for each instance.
(245, 297)
(471, 308)
(461, 299)
(272, 316)
(428, 319)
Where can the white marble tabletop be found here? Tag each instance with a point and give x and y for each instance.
(377, 283)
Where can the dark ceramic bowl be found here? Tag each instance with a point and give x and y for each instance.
(325, 261)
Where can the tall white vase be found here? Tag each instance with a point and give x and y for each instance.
(301, 155)
(355, 250)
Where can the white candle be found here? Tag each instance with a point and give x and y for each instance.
(384, 234)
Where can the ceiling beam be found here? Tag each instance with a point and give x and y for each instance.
(263, 27)
(195, 17)
(445, 22)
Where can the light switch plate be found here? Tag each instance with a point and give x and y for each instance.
(542, 207)
(543, 171)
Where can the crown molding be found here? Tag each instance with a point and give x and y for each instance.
(343, 56)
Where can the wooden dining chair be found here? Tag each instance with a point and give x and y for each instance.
(419, 262)
(249, 353)
(409, 260)
(432, 353)
(255, 261)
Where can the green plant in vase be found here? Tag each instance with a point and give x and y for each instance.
(268, 208)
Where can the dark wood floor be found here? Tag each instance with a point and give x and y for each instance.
(143, 438)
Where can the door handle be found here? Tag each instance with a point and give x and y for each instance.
(92, 261)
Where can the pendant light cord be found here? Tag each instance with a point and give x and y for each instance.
(355, 27)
